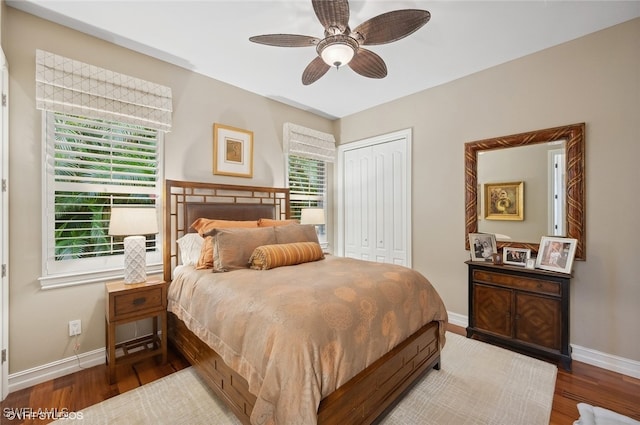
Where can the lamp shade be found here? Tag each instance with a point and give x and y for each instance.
(133, 223)
(312, 216)
(128, 221)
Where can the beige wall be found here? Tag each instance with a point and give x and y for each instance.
(38, 319)
(595, 79)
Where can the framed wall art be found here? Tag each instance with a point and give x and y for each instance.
(483, 246)
(232, 151)
(504, 201)
(516, 256)
(556, 254)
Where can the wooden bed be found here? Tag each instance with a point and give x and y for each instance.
(362, 400)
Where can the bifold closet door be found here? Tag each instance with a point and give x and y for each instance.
(358, 185)
(375, 201)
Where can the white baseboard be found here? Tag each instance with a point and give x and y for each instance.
(458, 319)
(581, 354)
(37, 375)
(606, 361)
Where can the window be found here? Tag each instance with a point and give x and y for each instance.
(307, 188)
(102, 146)
(307, 184)
(308, 154)
(93, 164)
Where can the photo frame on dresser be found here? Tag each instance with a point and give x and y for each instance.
(483, 246)
(516, 256)
(556, 254)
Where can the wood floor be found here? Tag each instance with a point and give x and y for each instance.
(74, 392)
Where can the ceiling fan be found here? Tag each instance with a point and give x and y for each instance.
(342, 46)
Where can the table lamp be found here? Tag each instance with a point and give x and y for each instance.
(312, 216)
(133, 222)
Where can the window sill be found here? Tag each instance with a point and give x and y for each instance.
(63, 281)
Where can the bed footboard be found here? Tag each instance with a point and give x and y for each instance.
(362, 400)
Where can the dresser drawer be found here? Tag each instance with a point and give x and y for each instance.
(518, 282)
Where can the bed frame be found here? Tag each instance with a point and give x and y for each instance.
(362, 400)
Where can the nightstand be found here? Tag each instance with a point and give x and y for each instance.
(128, 303)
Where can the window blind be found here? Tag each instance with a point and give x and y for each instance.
(307, 184)
(308, 143)
(76, 88)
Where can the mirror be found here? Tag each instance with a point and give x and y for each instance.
(498, 162)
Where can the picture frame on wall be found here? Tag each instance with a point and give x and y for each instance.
(556, 254)
(504, 201)
(483, 246)
(515, 256)
(232, 151)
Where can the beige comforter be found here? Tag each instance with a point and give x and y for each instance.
(297, 333)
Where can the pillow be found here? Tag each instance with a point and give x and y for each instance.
(297, 233)
(205, 228)
(265, 222)
(190, 246)
(204, 225)
(233, 247)
(267, 257)
(205, 260)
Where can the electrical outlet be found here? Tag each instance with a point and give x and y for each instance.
(75, 327)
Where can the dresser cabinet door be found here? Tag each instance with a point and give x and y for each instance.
(493, 309)
(538, 320)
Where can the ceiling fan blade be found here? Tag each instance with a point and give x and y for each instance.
(316, 69)
(368, 64)
(285, 40)
(332, 13)
(391, 26)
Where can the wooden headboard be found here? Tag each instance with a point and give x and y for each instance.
(185, 201)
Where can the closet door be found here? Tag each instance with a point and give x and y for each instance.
(358, 169)
(390, 197)
(374, 199)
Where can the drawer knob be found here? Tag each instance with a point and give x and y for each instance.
(139, 301)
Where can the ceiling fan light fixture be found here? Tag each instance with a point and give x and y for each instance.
(337, 50)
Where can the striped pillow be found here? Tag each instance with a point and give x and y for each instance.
(267, 257)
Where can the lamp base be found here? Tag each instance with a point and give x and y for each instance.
(135, 259)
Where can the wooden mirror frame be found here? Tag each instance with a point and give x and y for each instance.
(574, 136)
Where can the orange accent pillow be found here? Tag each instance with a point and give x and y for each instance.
(268, 222)
(287, 254)
(206, 254)
(204, 225)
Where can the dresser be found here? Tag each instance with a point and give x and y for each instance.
(521, 309)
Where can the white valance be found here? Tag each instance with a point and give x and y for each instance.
(69, 86)
(308, 143)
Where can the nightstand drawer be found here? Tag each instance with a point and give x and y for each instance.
(138, 301)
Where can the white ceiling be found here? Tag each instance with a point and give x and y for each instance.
(211, 37)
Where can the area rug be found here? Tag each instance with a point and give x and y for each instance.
(478, 384)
